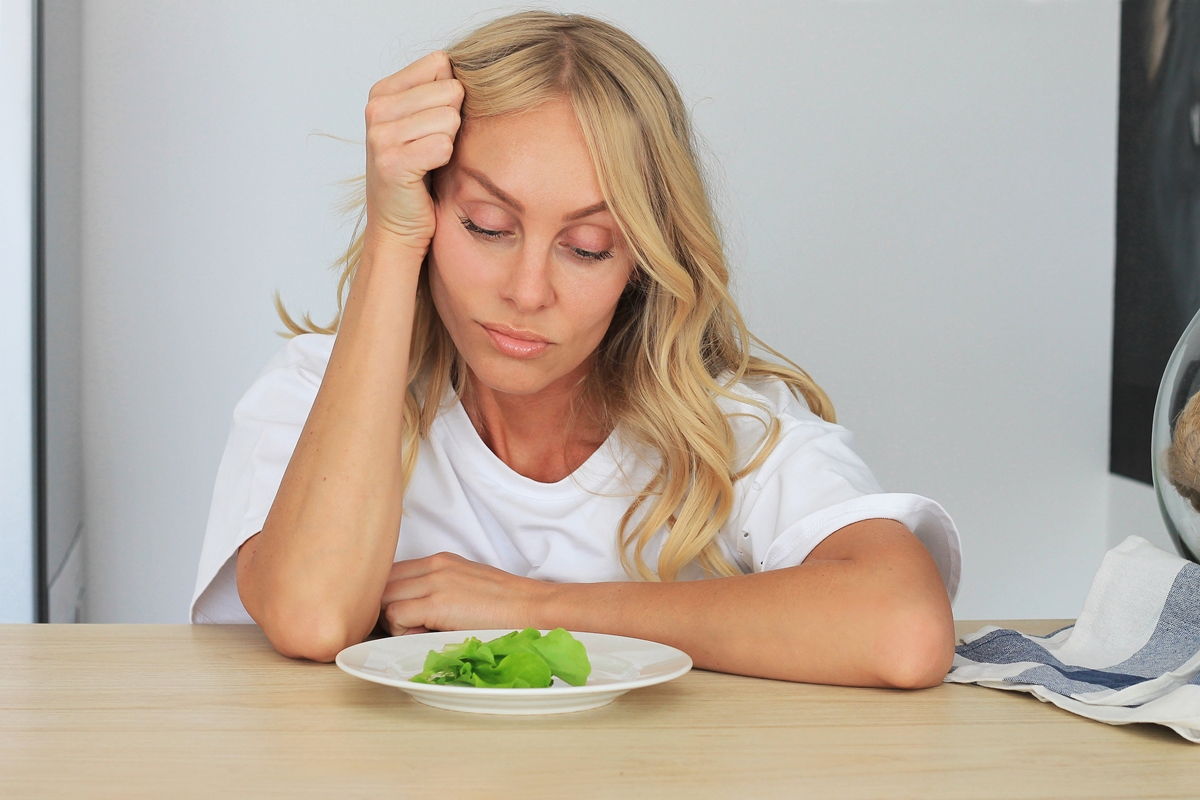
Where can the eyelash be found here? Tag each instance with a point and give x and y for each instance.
(473, 228)
(587, 255)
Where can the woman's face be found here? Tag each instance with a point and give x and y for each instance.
(526, 264)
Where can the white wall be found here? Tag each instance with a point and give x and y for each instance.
(919, 199)
(17, 537)
(1133, 511)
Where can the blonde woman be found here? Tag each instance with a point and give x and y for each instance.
(540, 409)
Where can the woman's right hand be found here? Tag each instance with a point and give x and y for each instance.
(313, 577)
(412, 118)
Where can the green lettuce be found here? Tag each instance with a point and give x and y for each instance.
(518, 660)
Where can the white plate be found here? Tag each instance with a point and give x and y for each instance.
(619, 664)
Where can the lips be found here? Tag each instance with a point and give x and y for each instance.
(516, 343)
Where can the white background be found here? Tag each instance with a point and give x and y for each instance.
(919, 202)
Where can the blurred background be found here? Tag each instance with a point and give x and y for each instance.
(919, 202)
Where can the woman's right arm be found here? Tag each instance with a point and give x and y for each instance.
(313, 577)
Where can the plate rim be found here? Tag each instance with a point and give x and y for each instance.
(498, 693)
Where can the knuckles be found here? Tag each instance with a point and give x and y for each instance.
(374, 109)
(441, 59)
(443, 560)
(441, 149)
(446, 120)
(379, 99)
(395, 625)
(375, 138)
(449, 118)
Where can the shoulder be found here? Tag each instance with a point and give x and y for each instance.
(766, 398)
(291, 377)
(307, 353)
(756, 407)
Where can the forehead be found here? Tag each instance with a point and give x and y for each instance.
(540, 156)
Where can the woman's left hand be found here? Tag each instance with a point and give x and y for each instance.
(447, 592)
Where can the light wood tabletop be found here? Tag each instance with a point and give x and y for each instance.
(173, 711)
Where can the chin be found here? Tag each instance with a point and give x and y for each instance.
(510, 376)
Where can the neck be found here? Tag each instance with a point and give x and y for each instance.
(541, 436)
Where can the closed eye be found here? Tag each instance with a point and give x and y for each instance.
(592, 255)
(578, 252)
(473, 228)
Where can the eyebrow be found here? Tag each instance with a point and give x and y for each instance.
(511, 201)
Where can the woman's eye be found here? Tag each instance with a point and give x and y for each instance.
(591, 255)
(473, 228)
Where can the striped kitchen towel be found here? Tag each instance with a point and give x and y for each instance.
(1132, 656)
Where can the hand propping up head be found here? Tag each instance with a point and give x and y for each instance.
(412, 117)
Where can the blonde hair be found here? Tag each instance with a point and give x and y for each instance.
(677, 341)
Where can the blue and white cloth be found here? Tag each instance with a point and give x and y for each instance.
(1132, 656)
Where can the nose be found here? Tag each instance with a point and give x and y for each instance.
(528, 286)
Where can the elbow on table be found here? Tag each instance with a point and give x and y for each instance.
(315, 637)
(298, 625)
(917, 649)
(301, 628)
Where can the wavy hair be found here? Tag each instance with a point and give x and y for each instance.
(677, 341)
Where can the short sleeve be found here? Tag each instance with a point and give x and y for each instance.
(267, 423)
(812, 484)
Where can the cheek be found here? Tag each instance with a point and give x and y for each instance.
(452, 274)
(596, 301)
(443, 249)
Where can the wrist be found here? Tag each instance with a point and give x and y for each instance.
(380, 242)
(552, 605)
(384, 287)
(389, 264)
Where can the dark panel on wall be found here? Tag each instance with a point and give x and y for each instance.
(1158, 213)
(61, 64)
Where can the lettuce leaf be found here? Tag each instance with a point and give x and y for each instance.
(515, 642)
(515, 671)
(566, 656)
(517, 660)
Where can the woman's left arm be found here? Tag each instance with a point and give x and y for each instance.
(866, 608)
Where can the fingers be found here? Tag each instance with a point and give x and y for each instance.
(404, 121)
(448, 592)
(404, 617)
(416, 567)
(421, 577)
(407, 589)
(412, 119)
(408, 162)
(432, 67)
(388, 107)
(441, 120)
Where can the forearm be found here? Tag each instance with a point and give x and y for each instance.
(313, 576)
(881, 620)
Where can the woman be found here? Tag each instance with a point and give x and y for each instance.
(540, 389)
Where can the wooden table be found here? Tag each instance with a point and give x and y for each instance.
(173, 711)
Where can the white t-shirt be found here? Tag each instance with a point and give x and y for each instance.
(463, 499)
